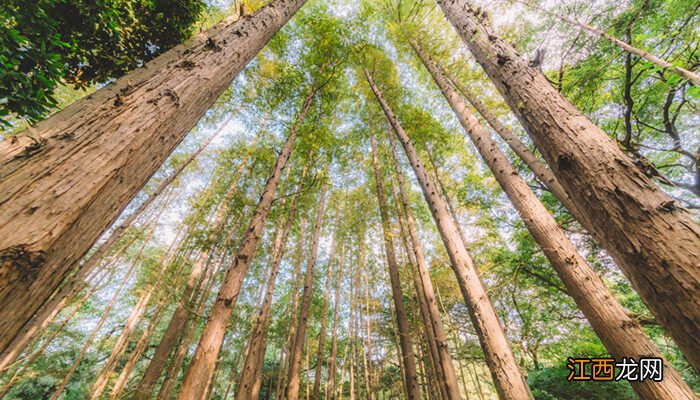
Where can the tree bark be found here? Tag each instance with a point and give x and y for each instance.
(57, 197)
(295, 356)
(249, 380)
(201, 369)
(331, 386)
(436, 340)
(652, 238)
(507, 375)
(621, 335)
(406, 346)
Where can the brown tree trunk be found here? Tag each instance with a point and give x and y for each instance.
(316, 395)
(331, 386)
(652, 238)
(295, 356)
(407, 358)
(57, 197)
(619, 333)
(255, 355)
(507, 375)
(180, 316)
(202, 367)
(436, 339)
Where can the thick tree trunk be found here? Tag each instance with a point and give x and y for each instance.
(249, 380)
(295, 356)
(316, 395)
(652, 238)
(407, 358)
(436, 339)
(57, 197)
(507, 375)
(621, 335)
(202, 367)
(180, 316)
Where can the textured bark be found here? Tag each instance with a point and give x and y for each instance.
(406, 346)
(180, 316)
(435, 337)
(507, 375)
(643, 54)
(295, 356)
(58, 197)
(621, 335)
(201, 369)
(316, 394)
(652, 238)
(249, 380)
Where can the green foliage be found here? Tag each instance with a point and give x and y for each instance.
(46, 43)
(551, 384)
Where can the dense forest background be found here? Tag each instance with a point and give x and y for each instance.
(319, 286)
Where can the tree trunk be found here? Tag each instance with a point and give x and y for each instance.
(202, 367)
(621, 335)
(249, 380)
(316, 395)
(434, 330)
(653, 239)
(507, 375)
(331, 386)
(295, 356)
(407, 358)
(57, 197)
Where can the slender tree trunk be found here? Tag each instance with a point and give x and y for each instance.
(653, 239)
(367, 348)
(316, 395)
(96, 154)
(621, 335)
(255, 356)
(406, 350)
(682, 72)
(504, 368)
(435, 332)
(180, 316)
(331, 386)
(202, 367)
(295, 356)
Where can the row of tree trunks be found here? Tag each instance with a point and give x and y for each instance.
(316, 394)
(407, 358)
(436, 339)
(296, 353)
(249, 381)
(505, 370)
(622, 336)
(180, 316)
(201, 369)
(652, 238)
(58, 196)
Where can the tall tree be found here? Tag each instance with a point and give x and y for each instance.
(652, 238)
(505, 370)
(96, 154)
(622, 336)
(404, 334)
(296, 354)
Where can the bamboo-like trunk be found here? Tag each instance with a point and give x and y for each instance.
(622, 336)
(507, 375)
(295, 356)
(652, 238)
(406, 345)
(58, 196)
